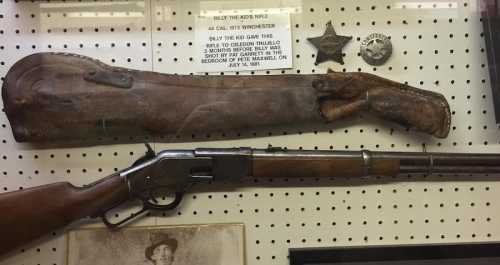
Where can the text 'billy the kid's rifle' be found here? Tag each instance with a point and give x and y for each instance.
(28, 214)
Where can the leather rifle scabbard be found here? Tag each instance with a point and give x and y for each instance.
(59, 97)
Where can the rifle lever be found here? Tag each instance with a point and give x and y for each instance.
(146, 207)
(118, 224)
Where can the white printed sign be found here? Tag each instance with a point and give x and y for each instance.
(239, 42)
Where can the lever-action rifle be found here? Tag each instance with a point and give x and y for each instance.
(30, 213)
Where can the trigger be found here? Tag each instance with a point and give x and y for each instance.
(152, 197)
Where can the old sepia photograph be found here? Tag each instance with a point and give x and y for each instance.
(221, 244)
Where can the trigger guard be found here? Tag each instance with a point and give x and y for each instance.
(177, 200)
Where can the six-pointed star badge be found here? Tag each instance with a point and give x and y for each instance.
(330, 45)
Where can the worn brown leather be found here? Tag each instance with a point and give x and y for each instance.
(58, 97)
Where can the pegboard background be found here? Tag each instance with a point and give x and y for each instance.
(438, 45)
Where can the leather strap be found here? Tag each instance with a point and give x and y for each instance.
(119, 80)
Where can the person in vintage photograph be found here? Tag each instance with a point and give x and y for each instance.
(162, 250)
(166, 245)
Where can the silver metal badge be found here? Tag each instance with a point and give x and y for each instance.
(376, 49)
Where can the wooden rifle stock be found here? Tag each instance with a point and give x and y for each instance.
(30, 213)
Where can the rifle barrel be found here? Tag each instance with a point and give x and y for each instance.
(449, 163)
(302, 164)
